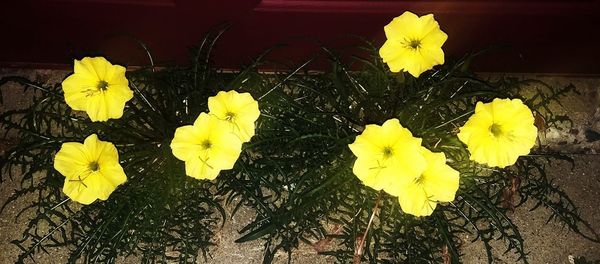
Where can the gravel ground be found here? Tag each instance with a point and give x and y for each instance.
(545, 242)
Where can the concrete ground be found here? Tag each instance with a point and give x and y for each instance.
(545, 242)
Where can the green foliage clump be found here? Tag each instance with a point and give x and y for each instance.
(160, 214)
(309, 194)
(296, 173)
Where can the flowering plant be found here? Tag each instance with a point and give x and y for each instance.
(388, 163)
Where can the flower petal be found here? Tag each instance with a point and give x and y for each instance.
(403, 27)
(113, 173)
(374, 173)
(98, 185)
(201, 169)
(99, 65)
(186, 143)
(414, 44)
(226, 151)
(439, 180)
(366, 144)
(393, 53)
(97, 108)
(85, 69)
(71, 159)
(116, 76)
(415, 201)
(78, 191)
(85, 88)
(499, 132)
(239, 109)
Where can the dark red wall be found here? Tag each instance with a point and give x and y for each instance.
(543, 36)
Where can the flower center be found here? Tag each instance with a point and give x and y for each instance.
(102, 85)
(94, 166)
(496, 130)
(206, 144)
(420, 179)
(229, 116)
(414, 44)
(387, 152)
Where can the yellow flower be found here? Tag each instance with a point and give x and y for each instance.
(386, 155)
(207, 147)
(91, 169)
(499, 132)
(97, 87)
(438, 183)
(239, 110)
(413, 44)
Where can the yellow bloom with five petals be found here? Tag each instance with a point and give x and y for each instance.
(240, 110)
(92, 170)
(438, 183)
(386, 155)
(414, 44)
(98, 88)
(207, 147)
(499, 132)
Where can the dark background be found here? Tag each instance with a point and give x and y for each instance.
(559, 36)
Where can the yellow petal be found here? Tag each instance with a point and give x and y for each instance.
(77, 100)
(439, 180)
(244, 131)
(432, 35)
(400, 176)
(94, 147)
(97, 108)
(392, 128)
(375, 173)
(217, 104)
(207, 147)
(499, 132)
(83, 89)
(75, 88)
(89, 188)
(414, 44)
(101, 106)
(226, 150)
(387, 156)
(417, 63)
(427, 24)
(393, 53)
(85, 69)
(368, 143)
(403, 26)
(113, 173)
(415, 201)
(248, 107)
(108, 155)
(71, 159)
(82, 183)
(78, 191)
(410, 162)
(201, 169)
(99, 65)
(115, 106)
(239, 109)
(119, 92)
(98, 185)
(116, 76)
(186, 143)
(432, 56)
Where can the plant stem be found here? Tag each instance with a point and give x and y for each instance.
(359, 251)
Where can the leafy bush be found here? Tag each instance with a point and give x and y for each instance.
(295, 173)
